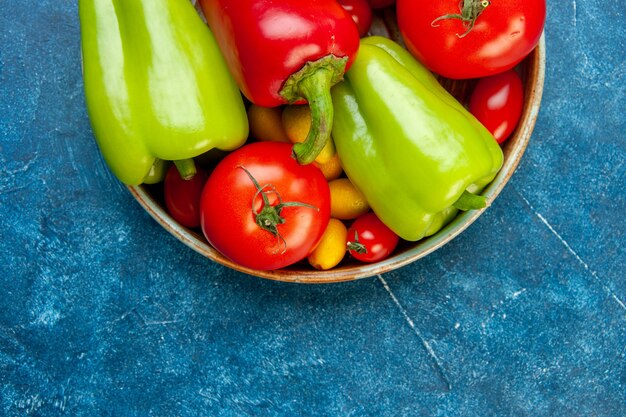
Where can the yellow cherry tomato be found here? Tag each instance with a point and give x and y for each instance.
(297, 122)
(331, 169)
(266, 124)
(332, 247)
(346, 201)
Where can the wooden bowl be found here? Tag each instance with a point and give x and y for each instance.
(532, 71)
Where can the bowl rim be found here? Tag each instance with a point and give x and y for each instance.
(533, 92)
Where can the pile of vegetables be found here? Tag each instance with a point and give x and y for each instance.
(286, 132)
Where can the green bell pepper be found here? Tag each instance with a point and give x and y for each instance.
(411, 148)
(156, 85)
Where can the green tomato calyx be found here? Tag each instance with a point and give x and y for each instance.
(356, 246)
(470, 10)
(268, 217)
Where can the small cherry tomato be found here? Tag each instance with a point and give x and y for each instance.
(346, 201)
(262, 209)
(182, 197)
(266, 124)
(361, 14)
(332, 168)
(497, 103)
(369, 240)
(332, 247)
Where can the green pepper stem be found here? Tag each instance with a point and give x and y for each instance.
(186, 168)
(313, 83)
(157, 172)
(468, 201)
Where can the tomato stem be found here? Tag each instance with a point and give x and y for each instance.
(470, 10)
(268, 218)
(357, 246)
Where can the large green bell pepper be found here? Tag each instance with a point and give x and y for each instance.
(411, 148)
(156, 85)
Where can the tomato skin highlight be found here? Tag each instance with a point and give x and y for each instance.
(375, 239)
(182, 197)
(504, 33)
(497, 102)
(228, 213)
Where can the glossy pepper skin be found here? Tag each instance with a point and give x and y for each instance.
(287, 51)
(156, 85)
(406, 143)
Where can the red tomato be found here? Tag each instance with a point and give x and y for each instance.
(262, 209)
(379, 4)
(502, 33)
(361, 14)
(497, 103)
(182, 197)
(369, 240)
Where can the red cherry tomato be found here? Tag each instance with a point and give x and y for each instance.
(379, 4)
(471, 38)
(262, 209)
(369, 240)
(182, 197)
(361, 14)
(497, 103)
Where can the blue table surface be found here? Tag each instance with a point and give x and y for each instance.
(104, 313)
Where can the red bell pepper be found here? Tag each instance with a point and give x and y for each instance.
(289, 51)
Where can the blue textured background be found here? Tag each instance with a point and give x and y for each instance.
(104, 313)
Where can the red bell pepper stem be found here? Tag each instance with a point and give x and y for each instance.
(316, 90)
(313, 83)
